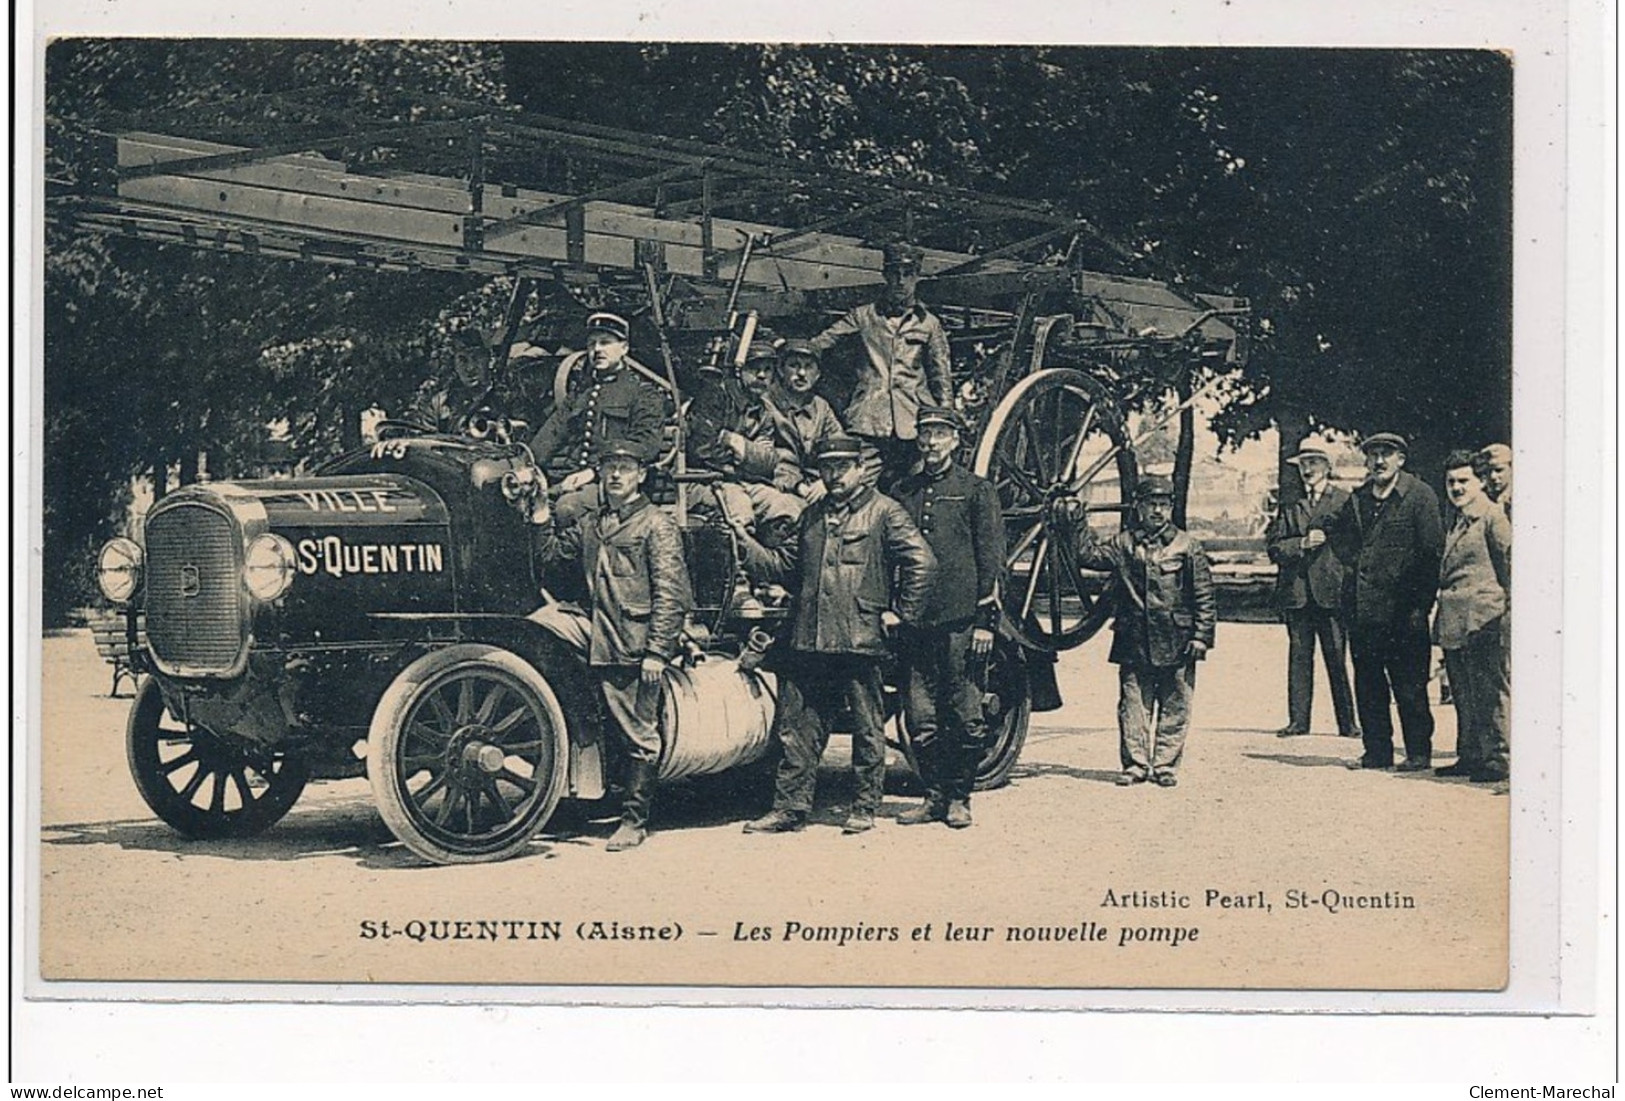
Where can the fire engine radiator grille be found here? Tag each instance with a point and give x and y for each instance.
(194, 582)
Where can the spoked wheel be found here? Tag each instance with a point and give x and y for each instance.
(1054, 435)
(467, 754)
(206, 785)
(1007, 707)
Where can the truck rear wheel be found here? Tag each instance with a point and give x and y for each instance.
(205, 785)
(1007, 707)
(467, 754)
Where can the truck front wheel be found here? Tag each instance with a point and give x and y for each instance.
(203, 784)
(467, 754)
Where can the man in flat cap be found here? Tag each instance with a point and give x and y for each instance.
(1309, 594)
(906, 364)
(1164, 625)
(631, 554)
(958, 513)
(1389, 535)
(732, 430)
(611, 398)
(802, 420)
(860, 569)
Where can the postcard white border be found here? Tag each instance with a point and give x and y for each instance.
(1564, 840)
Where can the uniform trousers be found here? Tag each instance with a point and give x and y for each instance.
(944, 702)
(1153, 715)
(634, 709)
(1391, 662)
(1482, 692)
(812, 690)
(1303, 627)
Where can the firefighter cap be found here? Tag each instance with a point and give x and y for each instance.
(840, 447)
(896, 254)
(1154, 485)
(796, 346)
(938, 414)
(623, 449)
(612, 323)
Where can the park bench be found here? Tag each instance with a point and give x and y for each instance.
(110, 631)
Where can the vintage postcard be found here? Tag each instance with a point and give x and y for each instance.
(544, 520)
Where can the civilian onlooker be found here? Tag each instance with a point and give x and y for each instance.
(1388, 532)
(1475, 583)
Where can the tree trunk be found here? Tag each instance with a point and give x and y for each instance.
(1184, 450)
(160, 475)
(188, 472)
(349, 429)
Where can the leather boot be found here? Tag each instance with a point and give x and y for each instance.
(640, 789)
(932, 810)
(958, 814)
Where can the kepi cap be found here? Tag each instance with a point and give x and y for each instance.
(611, 323)
(839, 447)
(938, 414)
(896, 253)
(1154, 485)
(622, 449)
(1391, 440)
(796, 346)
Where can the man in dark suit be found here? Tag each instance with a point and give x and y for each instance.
(1389, 534)
(958, 513)
(1308, 591)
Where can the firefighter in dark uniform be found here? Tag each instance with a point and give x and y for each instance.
(860, 569)
(609, 399)
(1164, 626)
(958, 513)
(632, 555)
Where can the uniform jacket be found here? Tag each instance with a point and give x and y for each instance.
(1475, 574)
(958, 513)
(843, 569)
(798, 429)
(1164, 588)
(720, 405)
(636, 578)
(623, 406)
(1391, 549)
(904, 355)
(1307, 578)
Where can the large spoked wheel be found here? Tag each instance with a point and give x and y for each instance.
(205, 785)
(1054, 435)
(467, 754)
(1007, 707)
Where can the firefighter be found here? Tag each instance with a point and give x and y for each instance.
(632, 555)
(862, 569)
(732, 430)
(1164, 626)
(958, 513)
(906, 365)
(609, 399)
(802, 419)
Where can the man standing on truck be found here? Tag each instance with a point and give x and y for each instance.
(906, 365)
(864, 569)
(958, 513)
(609, 399)
(632, 555)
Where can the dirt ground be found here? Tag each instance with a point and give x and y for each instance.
(1293, 871)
